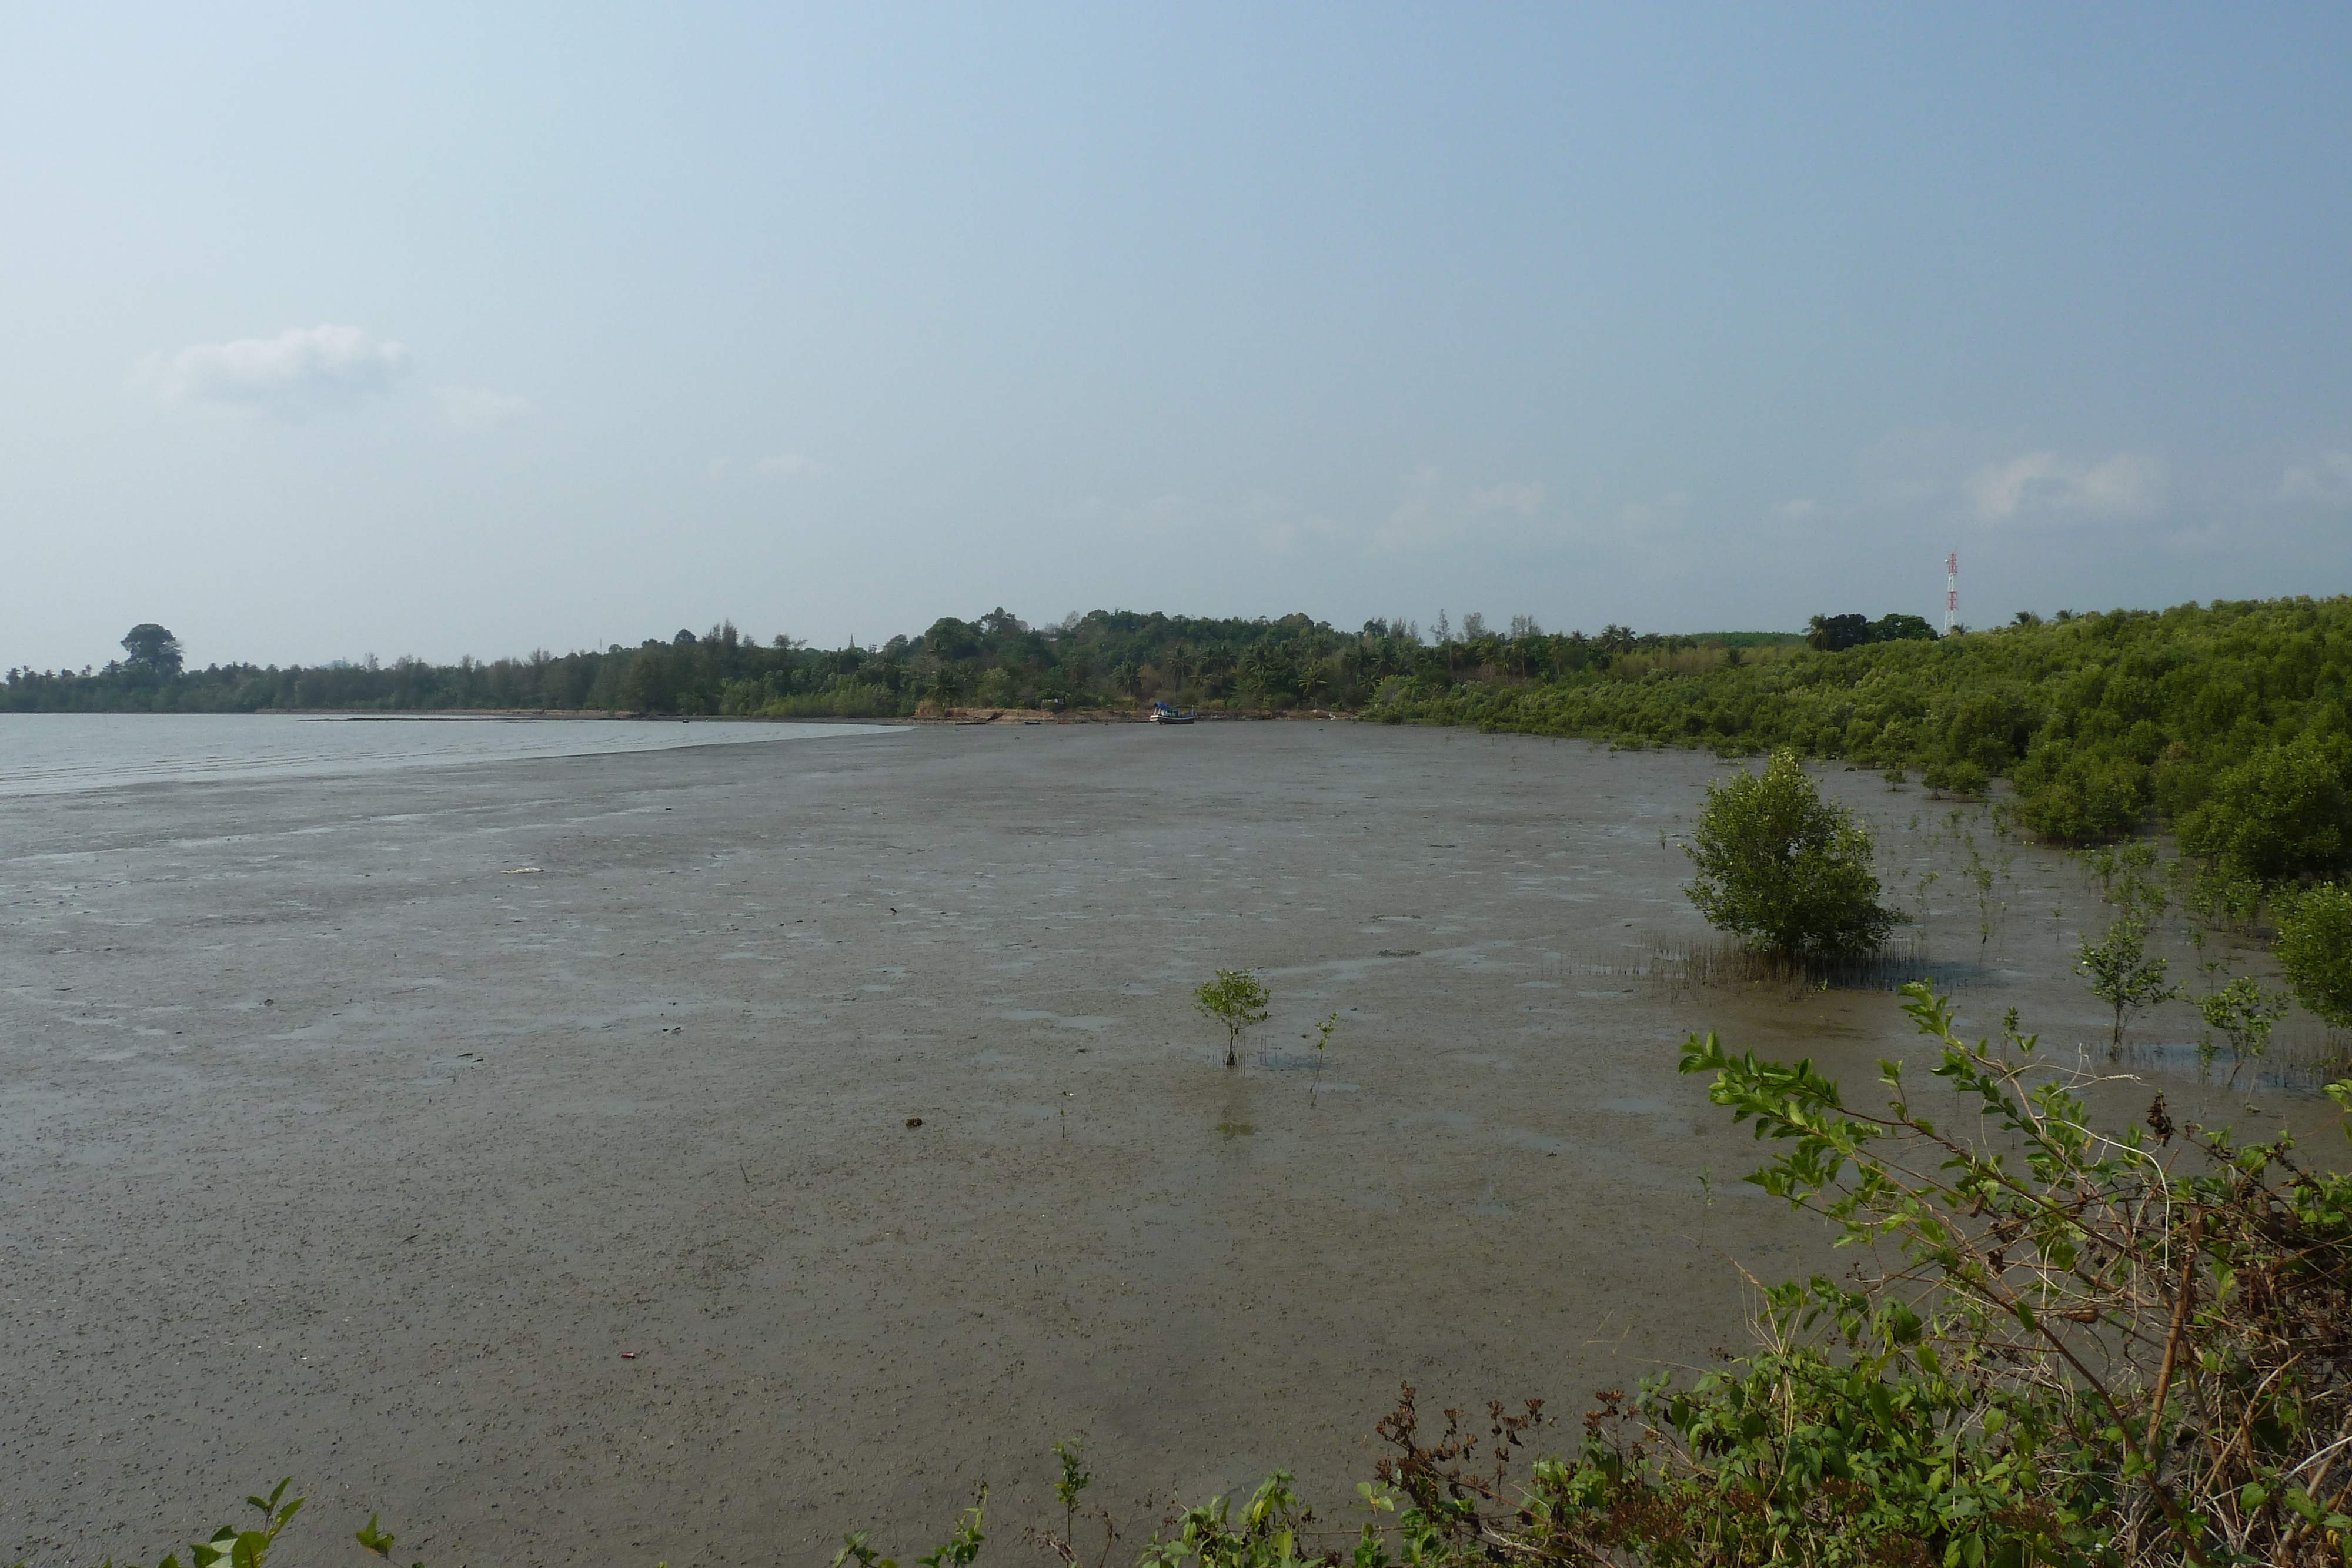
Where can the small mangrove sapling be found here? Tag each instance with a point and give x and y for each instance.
(1069, 1490)
(2123, 974)
(2244, 1011)
(1235, 998)
(1322, 1040)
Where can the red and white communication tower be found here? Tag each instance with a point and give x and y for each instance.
(1951, 593)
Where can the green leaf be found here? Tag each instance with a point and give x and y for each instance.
(376, 1540)
(1903, 1324)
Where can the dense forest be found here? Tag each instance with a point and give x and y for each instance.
(1106, 659)
(2226, 720)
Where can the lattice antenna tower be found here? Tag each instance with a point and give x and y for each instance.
(1951, 593)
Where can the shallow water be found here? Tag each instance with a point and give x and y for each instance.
(356, 1126)
(62, 753)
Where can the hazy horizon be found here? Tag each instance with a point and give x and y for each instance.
(438, 333)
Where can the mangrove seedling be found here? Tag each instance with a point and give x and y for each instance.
(1074, 1479)
(2122, 973)
(1322, 1040)
(1069, 1490)
(2244, 1012)
(1072, 1485)
(1234, 998)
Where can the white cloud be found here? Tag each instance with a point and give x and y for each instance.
(302, 371)
(1430, 510)
(2044, 486)
(476, 408)
(2327, 481)
(1798, 510)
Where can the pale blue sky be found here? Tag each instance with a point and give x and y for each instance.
(444, 330)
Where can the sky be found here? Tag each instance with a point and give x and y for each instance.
(441, 329)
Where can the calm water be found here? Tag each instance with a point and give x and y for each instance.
(44, 754)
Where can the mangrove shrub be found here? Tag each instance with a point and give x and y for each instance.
(1785, 870)
(2315, 950)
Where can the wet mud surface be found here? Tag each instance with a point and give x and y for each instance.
(524, 1150)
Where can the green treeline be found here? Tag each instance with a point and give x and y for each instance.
(2226, 720)
(1109, 658)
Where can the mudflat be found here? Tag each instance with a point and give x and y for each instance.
(525, 1150)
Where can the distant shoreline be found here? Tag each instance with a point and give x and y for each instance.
(959, 716)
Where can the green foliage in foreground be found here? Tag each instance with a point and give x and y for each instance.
(1784, 869)
(2064, 1346)
(250, 1547)
(2229, 718)
(2057, 1345)
(2060, 1347)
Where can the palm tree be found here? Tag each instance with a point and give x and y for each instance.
(1178, 663)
